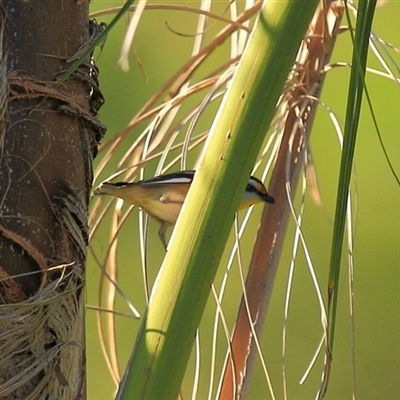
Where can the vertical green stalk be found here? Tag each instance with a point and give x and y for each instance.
(356, 87)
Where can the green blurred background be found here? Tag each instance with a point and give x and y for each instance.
(376, 246)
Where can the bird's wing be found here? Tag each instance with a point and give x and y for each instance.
(182, 177)
(177, 195)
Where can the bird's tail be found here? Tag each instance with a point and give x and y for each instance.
(110, 188)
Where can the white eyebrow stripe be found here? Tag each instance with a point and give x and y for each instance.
(169, 181)
(254, 180)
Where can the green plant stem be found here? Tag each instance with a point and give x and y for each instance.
(356, 88)
(159, 360)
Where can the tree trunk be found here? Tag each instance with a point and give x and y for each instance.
(48, 136)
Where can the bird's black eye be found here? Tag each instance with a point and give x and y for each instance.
(256, 186)
(251, 188)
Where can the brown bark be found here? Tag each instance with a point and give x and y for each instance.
(48, 135)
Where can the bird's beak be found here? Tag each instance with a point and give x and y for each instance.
(268, 199)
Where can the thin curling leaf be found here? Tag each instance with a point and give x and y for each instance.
(98, 41)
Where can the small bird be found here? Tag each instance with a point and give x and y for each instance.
(162, 197)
